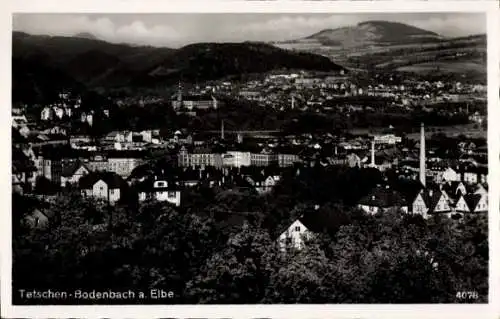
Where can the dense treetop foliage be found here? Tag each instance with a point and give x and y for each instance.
(221, 247)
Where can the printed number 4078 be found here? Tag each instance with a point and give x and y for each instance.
(467, 295)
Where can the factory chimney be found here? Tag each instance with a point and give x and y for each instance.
(422, 154)
(372, 163)
(222, 130)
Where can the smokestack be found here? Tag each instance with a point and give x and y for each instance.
(293, 102)
(422, 154)
(372, 164)
(222, 130)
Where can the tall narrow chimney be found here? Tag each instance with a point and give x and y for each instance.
(222, 130)
(372, 164)
(422, 154)
(293, 102)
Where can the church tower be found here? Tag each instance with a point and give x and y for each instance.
(179, 95)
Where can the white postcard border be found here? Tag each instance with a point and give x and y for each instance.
(490, 310)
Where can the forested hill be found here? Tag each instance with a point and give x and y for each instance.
(99, 64)
(214, 60)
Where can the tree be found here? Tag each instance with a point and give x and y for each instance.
(45, 186)
(172, 246)
(93, 245)
(237, 274)
(305, 276)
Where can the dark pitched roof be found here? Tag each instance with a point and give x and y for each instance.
(453, 184)
(112, 179)
(432, 199)
(20, 162)
(409, 189)
(148, 185)
(472, 200)
(383, 197)
(141, 171)
(318, 221)
(70, 168)
(452, 190)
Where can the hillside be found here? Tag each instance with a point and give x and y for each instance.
(64, 50)
(85, 35)
(204, 61)
(372, 33)
(382, 45)
(99, 64)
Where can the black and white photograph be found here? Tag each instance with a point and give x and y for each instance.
(249, 158)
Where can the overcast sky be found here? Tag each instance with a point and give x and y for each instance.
(175, 30)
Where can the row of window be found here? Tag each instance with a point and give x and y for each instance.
(111, 191)
(170, 194)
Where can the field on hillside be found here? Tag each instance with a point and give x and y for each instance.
(462, 59)
(445, 66)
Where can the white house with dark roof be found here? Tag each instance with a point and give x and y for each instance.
(381, 199)
(477, 203)
(270, 182)
(103, 185)
(438, 202)
(313, 221)
(72, 173)
(462, 206)
(418, 205)
(294, 236)
(160, 190)
(472, 203)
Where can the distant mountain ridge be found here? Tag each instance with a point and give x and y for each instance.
(397, 47)
(373, 32)
(85, 35)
